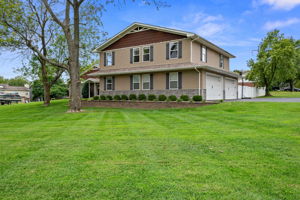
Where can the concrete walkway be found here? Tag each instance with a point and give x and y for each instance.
(271, 100)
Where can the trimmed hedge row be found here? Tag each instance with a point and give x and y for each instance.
(150, 97)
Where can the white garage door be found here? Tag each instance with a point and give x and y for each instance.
(230, 89)
(214, 89)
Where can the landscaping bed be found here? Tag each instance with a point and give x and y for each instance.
(141, 104)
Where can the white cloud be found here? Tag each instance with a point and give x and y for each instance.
(210, 29)
(278, 4)
(280, 24)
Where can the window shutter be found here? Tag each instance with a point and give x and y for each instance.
(180, 49)
(104, 60)
(179, 80)
(131, 80)
(131, 55)
(151, 81)
(201, 53)
(167, 50)
(206, 54)
(113, 83)
(113, 58)
(167, 81)
(151, 53)
(104, 83)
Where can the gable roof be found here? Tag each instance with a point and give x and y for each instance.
(136, 25)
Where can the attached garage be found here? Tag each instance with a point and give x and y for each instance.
(214, 87)
(230, 88)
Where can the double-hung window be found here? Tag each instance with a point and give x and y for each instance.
(146, 81)
(109, 83)
(136, 82)
(173, 50)
(108, 60)
(173, 80)
(203, 54)
(146, 54)
(221, 61)
(136, 55)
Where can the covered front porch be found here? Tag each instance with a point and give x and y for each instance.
(90, 88)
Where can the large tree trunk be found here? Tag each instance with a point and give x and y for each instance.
(292, 85)
(75, 101)
(45, 82)
(268, 94)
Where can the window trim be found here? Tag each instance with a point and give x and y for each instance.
(136, 82)
(205, 55)
(222, 64)
(146, 82)
(170, 45)
(174, 80)
(106, 61)
(144, 54)
(135, 55)
(106, 83)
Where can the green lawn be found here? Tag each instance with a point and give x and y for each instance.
(234, 150)
(282, 94)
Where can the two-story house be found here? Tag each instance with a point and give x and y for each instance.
(147, 59)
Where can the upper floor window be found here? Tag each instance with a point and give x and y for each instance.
(173, 50)
(173, 80)
(108, 58)
(136, 55)
(136, 82)
(146, 81)
(109, 83)
(146, 53)
(203, 54)
(221, 61)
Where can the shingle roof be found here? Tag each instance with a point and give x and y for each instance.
(6, 87)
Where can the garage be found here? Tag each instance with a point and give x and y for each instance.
(230, 88)
(214, 87)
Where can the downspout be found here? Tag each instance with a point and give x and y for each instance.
(199, 78)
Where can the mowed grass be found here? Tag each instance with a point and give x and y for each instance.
(235, 150)
(285, 94)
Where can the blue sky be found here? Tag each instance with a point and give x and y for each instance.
(235, 25)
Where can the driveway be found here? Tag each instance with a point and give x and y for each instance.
(271, 100)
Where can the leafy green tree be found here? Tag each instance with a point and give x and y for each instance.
(58, 90)
(16, 81)
(275, 61)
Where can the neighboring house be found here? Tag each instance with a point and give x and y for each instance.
(247, 89)
(15, 93)
(147, 59)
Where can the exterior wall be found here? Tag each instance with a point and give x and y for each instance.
(250, 92)
(122, 56)
(24, 94)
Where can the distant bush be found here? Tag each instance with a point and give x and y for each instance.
(179, 100)
(117, 97)
(162, 97)
(108, 97)
(132, 97)
(102, 97)
(184, 97)
(142, 97)
(172, 98)
(151, 97)
(124, 97)
(96, 97)
(197, 98)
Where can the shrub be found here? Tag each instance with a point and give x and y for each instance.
(179, 100)
(124, 97)
(117, 97)
(162, 97)
(108, 97)
(142, 97)
(151, 97)
(132, 97)
(184, 97)
(172, 98)
(197, 98)
(102, 97)
(96, 97)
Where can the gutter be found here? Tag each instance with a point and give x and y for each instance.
(199, 78)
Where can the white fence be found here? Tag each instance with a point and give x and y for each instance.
(250, 92)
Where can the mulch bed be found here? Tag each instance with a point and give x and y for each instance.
(142, 104)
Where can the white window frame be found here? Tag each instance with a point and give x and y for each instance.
(106, 56)
(177, 80)
(133, 55)
(170, 45)
(146, 54)
(203, 55)
(106, 83)
(139, 81)
(143, 81)
(221, 61)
